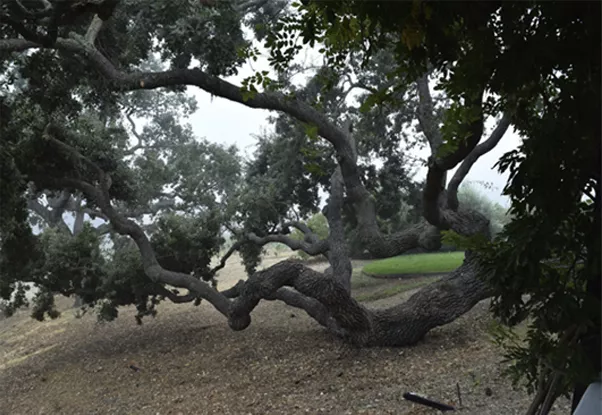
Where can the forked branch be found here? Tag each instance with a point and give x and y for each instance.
(473, 156)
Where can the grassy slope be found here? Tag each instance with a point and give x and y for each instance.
(366, 288)
(416, 264)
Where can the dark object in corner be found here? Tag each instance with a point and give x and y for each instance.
(427, 402)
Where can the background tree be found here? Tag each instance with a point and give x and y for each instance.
(470, 50)
(471, 197)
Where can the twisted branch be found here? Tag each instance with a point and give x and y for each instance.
(478, 151)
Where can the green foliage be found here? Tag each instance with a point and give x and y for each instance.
(71, 264)
(467, 243)
(43, 303)
(166, 169)
(251, 256)
(470, 198)
(187, 243)
(250, 84)
(125, 284)
(457, 126)
(318, 224)
(180, 31)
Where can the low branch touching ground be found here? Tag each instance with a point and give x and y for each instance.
(322, 297)
(345, 310)
(435, 305)
(400, 325)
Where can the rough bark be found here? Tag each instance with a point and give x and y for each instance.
(435, 305)
(338, 255)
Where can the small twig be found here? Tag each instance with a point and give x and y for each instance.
(224, 259)
(459, 394)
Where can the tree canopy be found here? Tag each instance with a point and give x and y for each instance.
(93, 128)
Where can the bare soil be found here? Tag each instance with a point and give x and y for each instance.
(187, 361)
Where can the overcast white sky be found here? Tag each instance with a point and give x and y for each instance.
(224, 121)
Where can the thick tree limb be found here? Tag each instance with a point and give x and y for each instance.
(309, 236)
(338, 255)
(379, 244)
(175, 298)
(295, 245)
(311, 306)
(426, 115)
(17, 45)
(403, 324)
(93, 30)
(216, 86)
(149, 261)
(434, 305)
(473, 156)
(35, 13)
(265, 284)
(345, 310)
(127, 227)
(435, 194)
(323, 297)
(103, 229)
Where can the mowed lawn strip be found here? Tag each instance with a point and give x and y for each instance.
(431, 263)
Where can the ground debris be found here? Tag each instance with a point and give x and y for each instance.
(278, 365)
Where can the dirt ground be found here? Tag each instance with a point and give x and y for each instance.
(187, 361)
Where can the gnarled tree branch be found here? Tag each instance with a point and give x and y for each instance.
(473, 156)
(323, 297)
(125, 226)
(93, 30)
(265, 284)
(351, 316)
(426, 115)
(399, 325)
(379, 244)
(296, 245)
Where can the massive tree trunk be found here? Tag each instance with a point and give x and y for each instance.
(325, 297)
(400, 325)
(435, 305)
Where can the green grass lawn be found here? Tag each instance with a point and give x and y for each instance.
(416, 264)
(366, 288)
(390, 290)
(360, 280)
